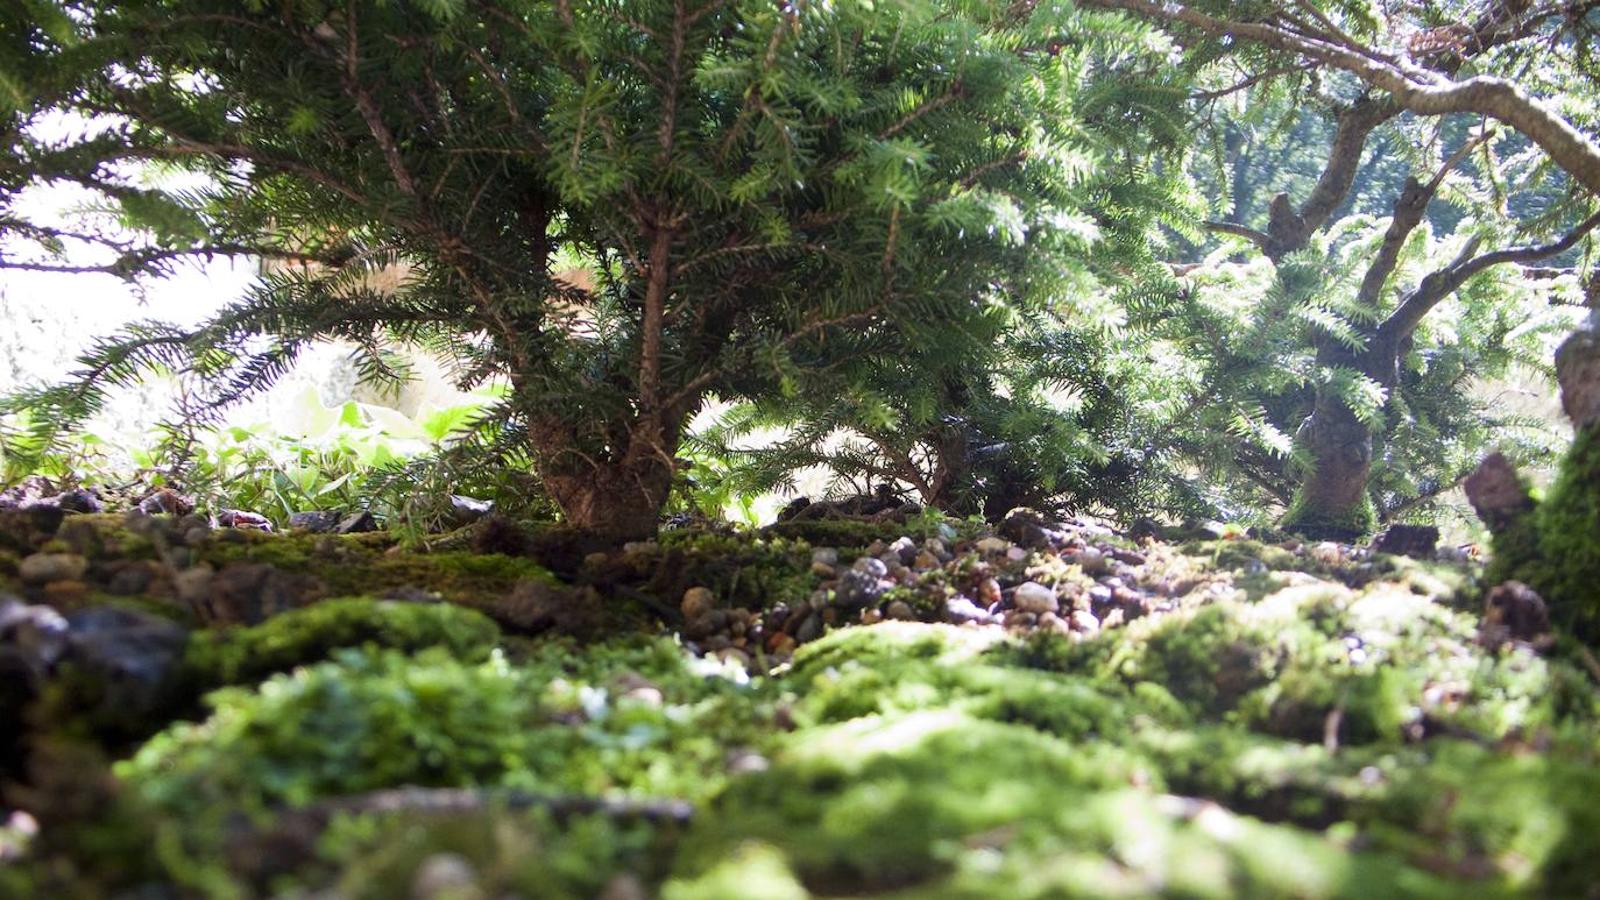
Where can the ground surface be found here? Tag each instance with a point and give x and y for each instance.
(904, 707)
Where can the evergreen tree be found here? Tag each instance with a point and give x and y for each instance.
(748, 188)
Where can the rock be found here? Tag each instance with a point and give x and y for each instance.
(34, 636)
(166, 502)
(992, 546)
(1578, 372)
(1129, 557)
(900, 611)
(24, 529)
(962, 610)
(827, 556)
(445, 876)
(248, 593)
(627, 886)
(925, 561)
(316, 521)
(780, 644)
(80, 500)
(1026, 527)
(822, 570)
(1497, 493)
(128, 664)
(793, 508)
(1512, 611)
(989, 592)
(45, 567)
(357, 523)
(857, 589)
(243, 519)
(129, 578)
(876, 568)
(1085, 622)
(810, 629)
(697, 603)
(1416, 541)
(1092, 561)
(465, 510)
(1033, 597)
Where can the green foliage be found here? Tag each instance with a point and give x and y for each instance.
(304, 636)
(1554, 550)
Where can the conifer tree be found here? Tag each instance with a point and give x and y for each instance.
(748, 188)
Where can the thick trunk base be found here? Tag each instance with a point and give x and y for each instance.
(1332, 503)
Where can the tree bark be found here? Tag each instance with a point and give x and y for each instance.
(618, 496)
(1332, 502)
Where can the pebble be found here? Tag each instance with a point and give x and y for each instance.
(988, 592)
(1092, 560)
(780, 644)
(827, 556)
(900, 610)
(961, 609)
(444, 875)
(698, 602)
(991, 546)
(1033, 597)
(1085, 622)
(905, 548)
(1130, 557)
(822, 569)
(45, 567)
(870, 566)
(1016, 554)
(925, 560)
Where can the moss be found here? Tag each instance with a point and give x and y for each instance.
(309, 635)
(1247, 555)
(1335, 525)
(1568, 524)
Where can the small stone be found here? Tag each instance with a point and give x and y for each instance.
(698, 602)
(961, 610)
(810, 629)
(989, 592)
(315, 521)
(900, 611)
(625, 886)
(1514, 612)
(1416, 541)
(1053, 622)
(45, 567)
(166, 502)
(1016, 555)
(827, 556)
(925, 561)
(905, 548)
(1092, 561)
(1131, 557)
(1031, 596)
(822, 570)
(870, 566)
(871, 616)
(357, 523)
(238, 518)
(857, 589)
(1085, 622)
(1497, 493)
(780, 644)
(1021, 619)
(130, 578)
(445, 875)
(876, 548)
(992, 546)
(466, 510)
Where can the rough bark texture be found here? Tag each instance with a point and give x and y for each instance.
(1332, 502)
(1497, 493)
(1578, 371)
(618, 496)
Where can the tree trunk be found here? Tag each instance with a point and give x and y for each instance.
(618, 497)
(1332, 502)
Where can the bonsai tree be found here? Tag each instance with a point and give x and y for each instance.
(1436, 77)
(619, 208)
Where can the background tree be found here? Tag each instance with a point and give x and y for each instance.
(751, 188)
(1411, 71)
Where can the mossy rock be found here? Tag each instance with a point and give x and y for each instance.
(312, 634)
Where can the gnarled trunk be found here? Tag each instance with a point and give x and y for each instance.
(1332, 503)
(618, 496)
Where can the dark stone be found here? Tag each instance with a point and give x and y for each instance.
(858, 589)
(129, 578)
(318, 521)
(25, 529)
(249, 593)
(1497, 493)
(79, 500)
(793, 508)
(1514, 612)
(127, 665)
(34, 637)
(166, 502)
(466, 510)
(357, 523)
(1026, 527)
(1417, 541)
(539, 606)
